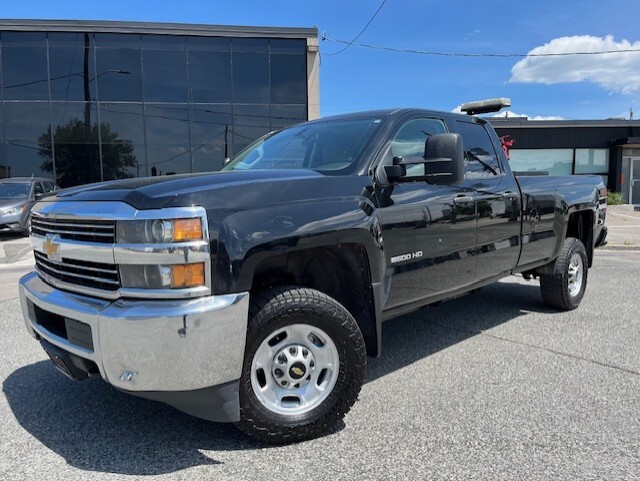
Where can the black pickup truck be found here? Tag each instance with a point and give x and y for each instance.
(254, 295)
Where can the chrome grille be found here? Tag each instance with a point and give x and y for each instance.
(89, 230)
(89, 274)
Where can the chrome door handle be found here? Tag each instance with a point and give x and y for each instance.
(510, 195)
(462, 199)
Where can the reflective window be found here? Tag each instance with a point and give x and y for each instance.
(480, 159)
(165, 73)
(552, 161)
(250, 77)
(24, 66)
(122, 134)
(211, 136)
(75, 134)
(67, 55)
(37, 189)
(4, 166)
(249, 123)
(210, 76)
(250, 45)
(289, 79)
(286, 115)
(410, 141)
(592, 161)
(119, 75)
(168, 139)
(28, 139)
(281, 45)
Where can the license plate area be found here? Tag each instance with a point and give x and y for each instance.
(72, 366)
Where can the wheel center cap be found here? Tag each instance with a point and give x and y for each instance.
(297, 371)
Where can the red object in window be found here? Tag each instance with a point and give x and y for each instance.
(507, 142)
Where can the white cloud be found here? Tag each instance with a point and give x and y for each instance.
(511, 113)
(616, 72)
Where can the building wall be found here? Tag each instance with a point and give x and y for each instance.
(571, 147)
(86, 106)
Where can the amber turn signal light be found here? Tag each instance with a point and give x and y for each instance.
(187, 275)
(187, 229)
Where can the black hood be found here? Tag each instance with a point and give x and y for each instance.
(158, 192)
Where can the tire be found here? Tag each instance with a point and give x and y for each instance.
(565, 287)
(304, 365)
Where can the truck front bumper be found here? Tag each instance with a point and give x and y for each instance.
(187, 352)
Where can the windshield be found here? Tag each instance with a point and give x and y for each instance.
(10, 190)
(326, 146)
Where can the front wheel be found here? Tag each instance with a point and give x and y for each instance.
(565, 287)
(303, 368)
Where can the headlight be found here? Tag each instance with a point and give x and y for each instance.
(154, 231)
(151, 276)
(12, 211)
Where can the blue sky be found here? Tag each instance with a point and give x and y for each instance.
(575, 87)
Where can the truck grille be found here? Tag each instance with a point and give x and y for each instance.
(88, 230)
(88, 274)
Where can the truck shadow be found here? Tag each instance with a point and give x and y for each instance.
(97, 428)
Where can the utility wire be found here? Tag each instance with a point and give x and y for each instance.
(461, 54)
(361, 31)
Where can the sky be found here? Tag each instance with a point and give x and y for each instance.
(360, 78)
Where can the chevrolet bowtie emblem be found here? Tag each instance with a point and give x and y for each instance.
(297, 371)
(51, 247)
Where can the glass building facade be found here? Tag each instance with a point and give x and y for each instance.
(90, 105)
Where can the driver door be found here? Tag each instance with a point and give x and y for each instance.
(429, 231)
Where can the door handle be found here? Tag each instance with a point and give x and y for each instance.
(510, 195)
(462, 199)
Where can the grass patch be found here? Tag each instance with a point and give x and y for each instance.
(614, 198)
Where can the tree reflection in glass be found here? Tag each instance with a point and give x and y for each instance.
(77, 153)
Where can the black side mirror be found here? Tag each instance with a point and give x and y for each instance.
(444, 159)
(443, 162)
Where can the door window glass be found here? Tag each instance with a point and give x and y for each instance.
(480, 159)
(38, 190)
(411, 139)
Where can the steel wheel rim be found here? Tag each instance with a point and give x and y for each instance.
(575, 276)
(308, 363)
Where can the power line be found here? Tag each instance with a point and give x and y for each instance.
(361, 31)
(462, 54)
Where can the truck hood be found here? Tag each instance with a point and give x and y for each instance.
(232, 189)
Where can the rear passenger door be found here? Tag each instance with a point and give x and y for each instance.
(498, 203)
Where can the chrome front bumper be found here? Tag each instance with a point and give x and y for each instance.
(149, 345)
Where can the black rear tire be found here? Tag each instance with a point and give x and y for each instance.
(560, 289)
(273, 314)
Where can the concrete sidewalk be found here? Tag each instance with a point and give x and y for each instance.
(623, 222)
(14, 248)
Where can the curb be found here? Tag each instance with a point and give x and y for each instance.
(617, 247)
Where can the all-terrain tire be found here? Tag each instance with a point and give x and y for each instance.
(273, 314)
(564, 288)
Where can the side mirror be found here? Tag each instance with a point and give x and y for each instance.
(444, 159)
(226, 160)
(443, 162)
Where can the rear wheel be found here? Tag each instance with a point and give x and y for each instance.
(565, 287)
(304, 365)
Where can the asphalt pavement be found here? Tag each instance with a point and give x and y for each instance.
(490, 386)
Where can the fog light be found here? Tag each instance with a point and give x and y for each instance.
(187, 275)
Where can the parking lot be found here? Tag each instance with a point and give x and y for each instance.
(490, 386)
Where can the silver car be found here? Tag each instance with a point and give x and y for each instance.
(17, 196)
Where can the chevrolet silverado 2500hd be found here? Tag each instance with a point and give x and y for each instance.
(254, 295)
